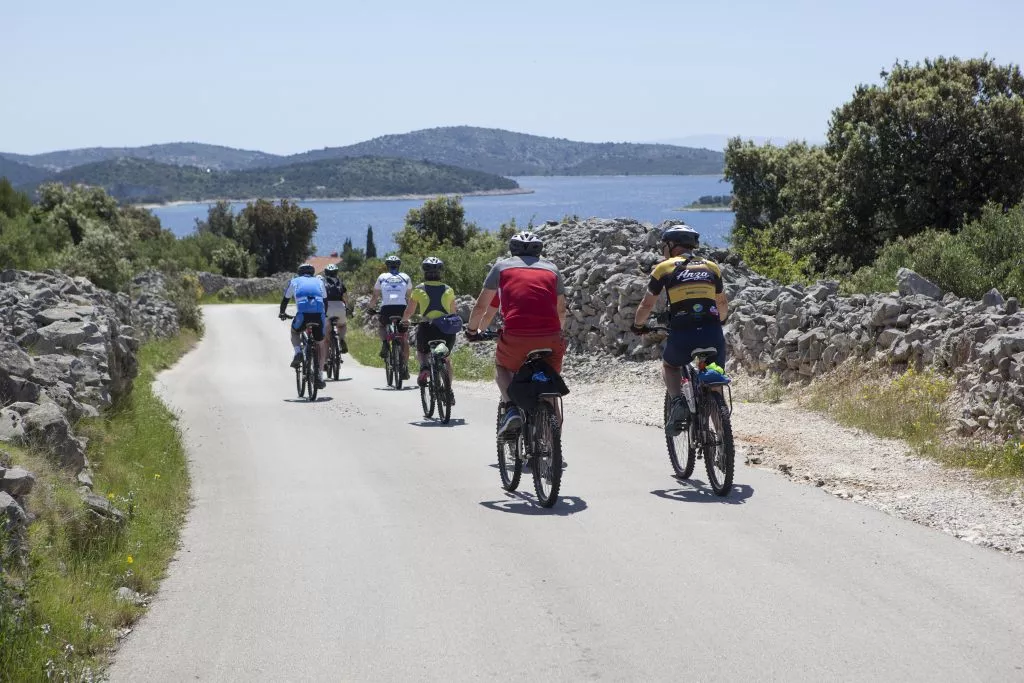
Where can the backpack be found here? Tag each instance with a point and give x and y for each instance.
(335, 288)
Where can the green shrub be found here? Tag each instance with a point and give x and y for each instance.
(772, 262)
(101, 256)
(184, 291)
(227, 295)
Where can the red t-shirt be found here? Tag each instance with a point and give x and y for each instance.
(528, 290)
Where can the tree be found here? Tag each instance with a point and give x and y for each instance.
(351, 258)
(12, 202)
(371, 248)
(279, 236)
(220, 220)
(442, 218)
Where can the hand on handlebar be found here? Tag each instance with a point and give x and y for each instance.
(639, 330)
(284, 316)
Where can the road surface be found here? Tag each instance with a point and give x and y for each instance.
(352, 540)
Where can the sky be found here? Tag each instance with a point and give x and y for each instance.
(285, 77)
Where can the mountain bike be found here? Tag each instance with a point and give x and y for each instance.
(708, 436)
(392, 351)
(438, 390)
(334, 359)
(307, 374)
(538, 442)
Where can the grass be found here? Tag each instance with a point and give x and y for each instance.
(911, 406)
(69, 619)
(365, 348)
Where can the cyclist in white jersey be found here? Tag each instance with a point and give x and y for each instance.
(392, 290)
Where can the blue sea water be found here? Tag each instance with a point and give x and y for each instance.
(647, 198)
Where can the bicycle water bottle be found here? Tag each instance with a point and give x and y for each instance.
(688, 394)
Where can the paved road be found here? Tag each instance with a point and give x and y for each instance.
(349, 540)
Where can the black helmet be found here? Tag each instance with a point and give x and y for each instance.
(525, 244)
(432, 267)
(307, 269)
(681, 235)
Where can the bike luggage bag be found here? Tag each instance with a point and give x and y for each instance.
(532, 380)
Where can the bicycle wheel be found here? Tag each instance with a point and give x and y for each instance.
(680, 445)
(546, 452)
(719, 451)
(389, 371)
(335, 367)
(396, 363)
(300, 382)
(510, 466)
(427, 396)
(442, 391)
(313, 371)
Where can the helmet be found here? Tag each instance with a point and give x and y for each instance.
(307, 269)
(525, 244)
(392, 261)
(432, 267)
(681, 235)
(331, 269)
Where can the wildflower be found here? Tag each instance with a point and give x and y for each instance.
(130, 559)
(110, 496)
(156, 476)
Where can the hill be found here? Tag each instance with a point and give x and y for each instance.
(175, 153)
(18, 173)
(506, 153)
(138, 180)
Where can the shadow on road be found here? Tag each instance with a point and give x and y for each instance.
(341, 379)
(698, 492)
(405, 388)
(319, 399)
(524, 504)
(454, 422)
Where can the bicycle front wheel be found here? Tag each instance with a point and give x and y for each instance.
(443, 393)
(427, 397)
(682, 451)
(546, 436)
(719, 450)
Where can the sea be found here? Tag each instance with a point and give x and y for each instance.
(647, 198)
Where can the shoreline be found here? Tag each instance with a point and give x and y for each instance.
(373, 198)
(705, 209)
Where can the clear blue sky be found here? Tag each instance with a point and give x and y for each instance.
(286, 76)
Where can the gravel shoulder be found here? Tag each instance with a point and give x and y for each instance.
(812, 450)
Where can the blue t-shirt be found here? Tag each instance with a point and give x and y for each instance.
(308, 292)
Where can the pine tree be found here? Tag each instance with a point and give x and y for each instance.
(371, 248)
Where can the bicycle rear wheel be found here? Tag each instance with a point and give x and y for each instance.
(313, 373)
(682, 451)
(335, 367)
(442, 391)
(510, 466)
(396, 363)
(427, 397)
(389, 370)
(719, 450)
(546, 452)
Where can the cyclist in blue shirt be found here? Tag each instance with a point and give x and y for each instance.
(310, 297)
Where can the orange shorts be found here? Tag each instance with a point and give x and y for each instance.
(512, 350)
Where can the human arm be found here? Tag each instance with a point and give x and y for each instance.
(561, 310)
(723, 306)
(289, 291)
(410, 311)
(480, 310)
(643, 311)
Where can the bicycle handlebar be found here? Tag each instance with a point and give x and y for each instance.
(485, 335)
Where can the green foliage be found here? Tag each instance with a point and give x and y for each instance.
(773, 262)
(185, 292)
(28, 244)
(102, 256)
(280, 236)
(234, 261)
(352, 258)
(926, 149)
(712, 200)
(442, 219)
(371, 246)
(12, 202)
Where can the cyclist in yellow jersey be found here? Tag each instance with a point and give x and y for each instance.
(698, 307)
(436, 303)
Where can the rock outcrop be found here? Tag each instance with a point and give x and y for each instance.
(245, 288)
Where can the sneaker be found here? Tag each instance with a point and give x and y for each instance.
(321, 384)
(344, 345)
(423, 378)
(297, 360)
(511, 422)
(405, 373)
(678, 416)
(383, 350)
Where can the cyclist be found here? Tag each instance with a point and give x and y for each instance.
(697, 305)
(530, 293)
(436, 302)
(392, 290)
(336, 292)
(310, 297)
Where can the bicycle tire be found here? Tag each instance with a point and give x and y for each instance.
(396, 362)
(427, 397)
(335, 359)
(300, 382)
(546, 428)
(444, 405)
(677, 443)
(717, 411)
(313, 376)
(510, 465)
(389, 371)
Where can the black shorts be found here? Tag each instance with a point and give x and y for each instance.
(319, 323)
(428, 332)
(388, 312)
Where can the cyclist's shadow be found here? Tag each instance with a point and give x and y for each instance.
(698, 492)
(319, 399)
(431, 422)
(524, 504)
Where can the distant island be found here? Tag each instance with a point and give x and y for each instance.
(487, 150)
(141, 181)
(710, 202)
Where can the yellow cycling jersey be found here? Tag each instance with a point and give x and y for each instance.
(434, 299)
(691, 284)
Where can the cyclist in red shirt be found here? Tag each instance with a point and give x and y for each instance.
(530, 294)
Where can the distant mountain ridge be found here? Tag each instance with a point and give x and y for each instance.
(488, 150)
(145, 181)
(18, 173)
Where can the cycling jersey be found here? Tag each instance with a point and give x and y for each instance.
(334, 287)
(528, 289)
(691, 284)
(434, 299)
(394, 289)
(308, 292)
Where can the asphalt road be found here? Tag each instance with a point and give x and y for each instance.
(349, 539)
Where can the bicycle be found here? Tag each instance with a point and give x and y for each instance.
(538, 442)
(709, 433)
(392, 351)
(438, 390)
(307, 374)
(334, 359)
